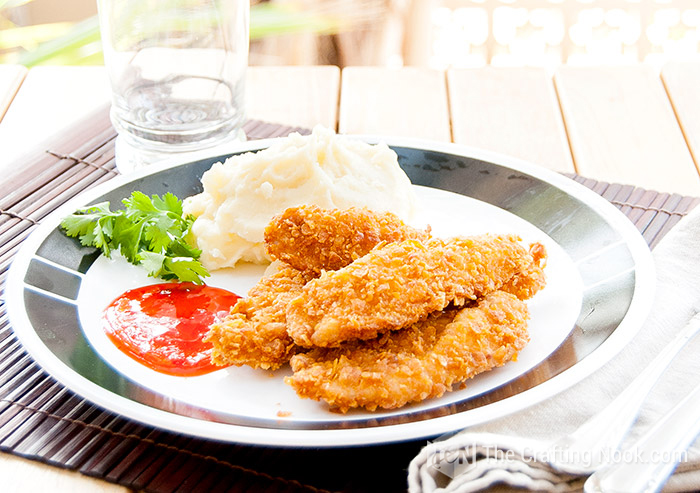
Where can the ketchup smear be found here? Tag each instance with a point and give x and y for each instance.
(162, 325)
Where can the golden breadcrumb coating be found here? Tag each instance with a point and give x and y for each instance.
(315, 239)
(255, 332)
(420, 362)
(532, 279)
(399, 284)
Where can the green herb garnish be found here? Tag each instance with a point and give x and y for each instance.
(151, 232)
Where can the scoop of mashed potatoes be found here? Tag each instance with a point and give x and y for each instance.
(241, 195)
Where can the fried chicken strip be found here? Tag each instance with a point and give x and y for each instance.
(420, 362)
(399, 284)
(255, 332)
(315, 239)
(532, 279)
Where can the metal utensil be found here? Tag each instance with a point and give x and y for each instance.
(653, 458)
(590, 447)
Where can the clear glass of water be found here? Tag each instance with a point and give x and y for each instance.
(177, 72)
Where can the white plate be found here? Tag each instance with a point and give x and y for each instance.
(600, 282)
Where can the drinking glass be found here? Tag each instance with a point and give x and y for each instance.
(177, 73)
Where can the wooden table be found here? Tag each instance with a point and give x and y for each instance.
(628, 124)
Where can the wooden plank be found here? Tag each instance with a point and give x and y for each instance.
(11, 77)
(298, 96)
(408, 102)
(513, 111)
(622, 128)
(50, 99)
(682, 81)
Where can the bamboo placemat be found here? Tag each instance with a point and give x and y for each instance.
(42, 420)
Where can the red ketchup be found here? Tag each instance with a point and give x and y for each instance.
(161, 326)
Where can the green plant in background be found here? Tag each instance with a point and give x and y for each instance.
(79, 43)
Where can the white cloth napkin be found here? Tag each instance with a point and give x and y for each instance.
(500, 454)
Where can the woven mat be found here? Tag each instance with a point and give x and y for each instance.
(42, 420)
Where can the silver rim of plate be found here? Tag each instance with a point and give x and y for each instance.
(600, 240)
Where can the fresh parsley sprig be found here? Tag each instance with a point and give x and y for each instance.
(150, 231)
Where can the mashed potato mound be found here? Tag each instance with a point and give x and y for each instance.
(242, 195)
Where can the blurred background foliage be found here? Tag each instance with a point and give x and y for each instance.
(429, 33)
(70, 42)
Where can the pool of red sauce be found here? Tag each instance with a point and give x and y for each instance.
(162, 325)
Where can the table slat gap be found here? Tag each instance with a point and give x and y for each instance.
(565, 126)
(11, 78)
(681, 81)
(621, 124)
(513, 111)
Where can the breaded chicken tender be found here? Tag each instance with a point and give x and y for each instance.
(532, 279)
(315, 239)
(255, 332)
(399, 284)
(420, 362)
